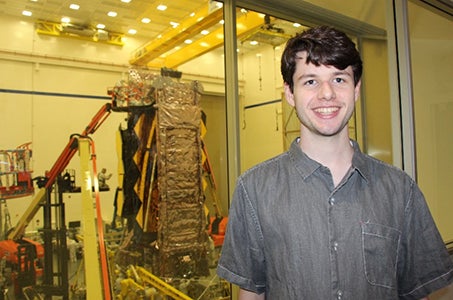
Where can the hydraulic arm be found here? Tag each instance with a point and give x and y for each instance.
(58, 167)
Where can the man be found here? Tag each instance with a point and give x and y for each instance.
(323, 220)
(102, 179)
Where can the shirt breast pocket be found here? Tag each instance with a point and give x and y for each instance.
(380, 251)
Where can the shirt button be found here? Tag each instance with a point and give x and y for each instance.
(339, 294)
(335, 246)
(332, 201)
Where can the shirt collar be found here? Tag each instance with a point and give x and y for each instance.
(360, 162)
(303, 164)
(307, 166)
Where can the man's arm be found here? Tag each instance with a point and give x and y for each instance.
(246, 295)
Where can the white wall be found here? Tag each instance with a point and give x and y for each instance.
(261, 117)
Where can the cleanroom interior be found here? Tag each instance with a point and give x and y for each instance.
(54, 79)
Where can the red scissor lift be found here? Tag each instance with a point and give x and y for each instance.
(15, 172)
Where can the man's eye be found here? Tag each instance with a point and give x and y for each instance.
(339, 80)
(309, 82)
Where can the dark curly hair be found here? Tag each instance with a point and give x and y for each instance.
(324, 46)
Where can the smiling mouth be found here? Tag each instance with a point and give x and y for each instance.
(326, 110)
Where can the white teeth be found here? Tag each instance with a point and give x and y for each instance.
(326, 110)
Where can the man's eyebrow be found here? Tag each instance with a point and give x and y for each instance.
(307, 75)
(312, 75)
(343, 72)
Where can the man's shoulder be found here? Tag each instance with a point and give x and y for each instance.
(376, 167)
(267, 168)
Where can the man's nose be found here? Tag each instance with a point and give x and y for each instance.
(326, 91)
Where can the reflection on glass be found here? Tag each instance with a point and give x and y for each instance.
(431, 43)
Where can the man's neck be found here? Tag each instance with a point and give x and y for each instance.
(333, 152)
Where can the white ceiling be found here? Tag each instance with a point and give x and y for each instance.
(129, 15)
(92, 12)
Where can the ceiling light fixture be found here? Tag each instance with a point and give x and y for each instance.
(100, 26)
(253, 43)
(65, 20)
(188, 41)
(126, 1)
(112, 14)
(146, 20)
(297, 25)
(161, 7)
(174, 24)
(27, 13)
(74, 6)
(204, 32)
(132, 31)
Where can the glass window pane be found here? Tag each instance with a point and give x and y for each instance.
(431, 43)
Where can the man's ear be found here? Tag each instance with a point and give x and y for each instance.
(357, 90)
(289, 95)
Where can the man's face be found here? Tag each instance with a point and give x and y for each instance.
(323, 96)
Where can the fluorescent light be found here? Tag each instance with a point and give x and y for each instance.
(188, 41)
(74, 6)
(253, 43)
(100, 26)
(65, 20)
(174, 24)
(27, 13)
(146, 20)
(126, 1)
(204, 32)
(161, 7)
(297, 25)
(112, 14)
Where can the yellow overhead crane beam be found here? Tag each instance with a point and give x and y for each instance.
(58, 29)
(245, 25)
(190, 27)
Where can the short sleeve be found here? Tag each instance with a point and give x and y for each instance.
(242, 260)
(424, 264)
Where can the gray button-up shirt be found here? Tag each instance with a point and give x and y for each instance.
(293, 235)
